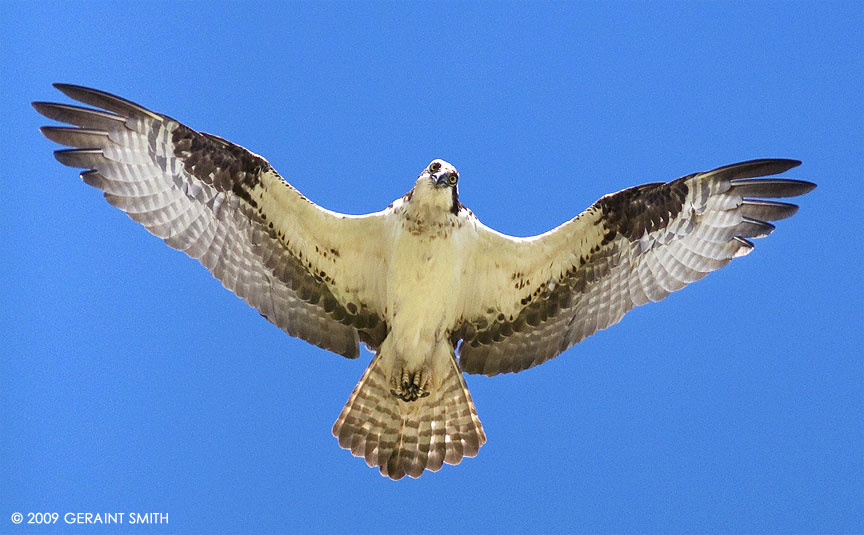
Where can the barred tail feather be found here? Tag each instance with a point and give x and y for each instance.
(403, 437)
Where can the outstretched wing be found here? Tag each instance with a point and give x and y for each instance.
(310, 271)
(538, 296)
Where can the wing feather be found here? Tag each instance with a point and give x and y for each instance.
(312, 272)
(541, 295)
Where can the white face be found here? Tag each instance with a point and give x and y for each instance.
(441, 174)
(435, 188)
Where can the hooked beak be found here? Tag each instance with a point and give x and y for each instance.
(441, 178)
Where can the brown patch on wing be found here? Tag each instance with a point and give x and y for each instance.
(640, 209)
(218, 163)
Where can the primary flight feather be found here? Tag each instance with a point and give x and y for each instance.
(413, 281)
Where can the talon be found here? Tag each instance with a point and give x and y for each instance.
(409, 391)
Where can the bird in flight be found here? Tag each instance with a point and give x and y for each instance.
(426, 286)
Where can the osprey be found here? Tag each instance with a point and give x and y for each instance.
(424, 284)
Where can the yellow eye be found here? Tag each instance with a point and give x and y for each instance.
(453, 179)
(434, 166)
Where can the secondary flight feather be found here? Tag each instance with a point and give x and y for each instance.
(423, 283)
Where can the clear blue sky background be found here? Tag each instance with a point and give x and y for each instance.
(130, 380)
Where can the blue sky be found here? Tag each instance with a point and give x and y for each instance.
(130, 380)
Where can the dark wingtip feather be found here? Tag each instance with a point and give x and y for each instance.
(788, 163)
(78, 116)
(771, 187)
(775, 166)
(805, 186)
(72, 88)
(745, 246)
(75, 137)
(767, 210)
(82, 158)
(47, 109)
(755, 168)
(753, 228)
(93, 178)
(104, 100)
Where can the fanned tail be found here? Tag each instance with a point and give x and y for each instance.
(408, 437)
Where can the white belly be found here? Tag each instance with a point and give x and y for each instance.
(423, 291)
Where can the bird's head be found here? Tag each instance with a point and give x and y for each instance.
(436, 187)
(441, 174)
